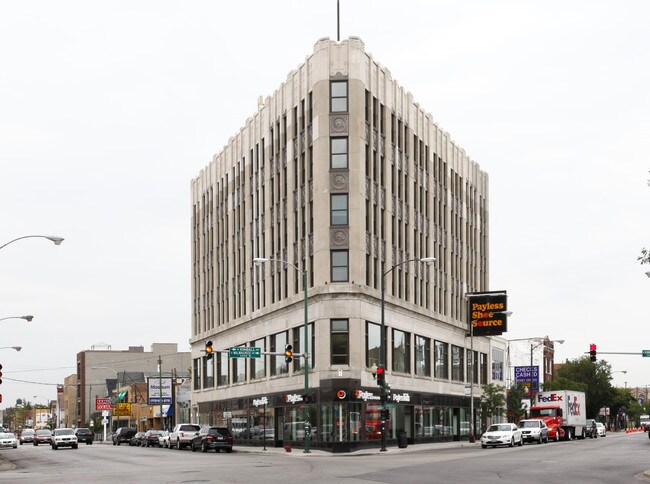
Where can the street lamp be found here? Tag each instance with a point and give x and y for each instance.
(259, 261)
(53, 238)
(27, 318)
(383, 357)
(17, 348)
(532, 347)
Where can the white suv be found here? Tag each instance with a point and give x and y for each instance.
(64, 438)
(182, 435)
(534, 431)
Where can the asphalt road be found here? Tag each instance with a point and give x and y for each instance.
(617, 458)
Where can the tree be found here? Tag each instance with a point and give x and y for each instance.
(645, 256)
(493, 402)
(516, 408)
(584, 375)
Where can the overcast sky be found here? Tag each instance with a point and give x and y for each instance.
(109, 109)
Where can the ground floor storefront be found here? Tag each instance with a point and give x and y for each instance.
(340, 416)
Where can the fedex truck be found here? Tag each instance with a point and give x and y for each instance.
(563, 411)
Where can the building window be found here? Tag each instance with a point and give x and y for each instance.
(340, 341)
(457, 363)
(497, 364)
(197, 374)
(208, 372)
(299, 342)
(338, 153)
(422, 356)
(441, 368)
(472, 370)
(239, 369)
(339, 209)
(258, 365)
(278, 365)
(401, 351)
(222, 369)
(339, 266)
(373, 344)
(339, 96)
(484, 379)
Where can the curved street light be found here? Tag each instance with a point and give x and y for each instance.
(57, 240)
(258, 261)
(383, 357)
(27, 318)
(17, 348)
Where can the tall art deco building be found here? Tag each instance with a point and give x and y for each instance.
(342, 176)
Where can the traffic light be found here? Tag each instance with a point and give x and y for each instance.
(208, 350)
(381, 376)
(0, 379)
(385, 414)
(592, 352)
(288, 353)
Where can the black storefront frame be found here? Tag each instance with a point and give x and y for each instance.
(406, 406)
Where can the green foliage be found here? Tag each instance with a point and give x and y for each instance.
(493, 401)
(516, 409)
(592, 378)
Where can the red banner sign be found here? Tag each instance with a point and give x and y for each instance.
(102, 403)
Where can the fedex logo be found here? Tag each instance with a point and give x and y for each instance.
(553, 397)
(574, 407)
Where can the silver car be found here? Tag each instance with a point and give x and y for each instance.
(534, 430)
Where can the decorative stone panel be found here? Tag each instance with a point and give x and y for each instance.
(339, 124)
(339, 181)
(339, 237)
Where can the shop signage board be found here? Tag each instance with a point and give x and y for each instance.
(102, 404)
(159, 388)
(487, 311)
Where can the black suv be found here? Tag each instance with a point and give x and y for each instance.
(123, 435)
(84, 435)
(591, 430)
(216, 438)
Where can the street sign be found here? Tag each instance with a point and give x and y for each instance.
(102, 404)
(645, 353)
(245, 352)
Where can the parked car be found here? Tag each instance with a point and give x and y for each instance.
(182, 435)
(151, 438)
(216, 438)
(137, 439)
(43, 437)
(163, 439)
(123, 435)
(602, 430)
(591, 430)
(64, 438)
(27, 436)
(534, 431)
(502, 434)
(8, 440)
(85, 435)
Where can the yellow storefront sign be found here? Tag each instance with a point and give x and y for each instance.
(122, 409)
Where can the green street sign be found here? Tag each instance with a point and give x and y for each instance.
(245, 352)
(645, 353)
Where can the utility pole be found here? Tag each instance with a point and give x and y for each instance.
(160, 389)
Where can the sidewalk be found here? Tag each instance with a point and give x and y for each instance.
(298, 451)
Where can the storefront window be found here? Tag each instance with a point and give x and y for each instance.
(197, 374)
(373, 348)
(484, 379)
(472, 370)
(422, 356)
(401, 351)
(442, 360)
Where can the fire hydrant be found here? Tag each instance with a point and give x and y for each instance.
(287, 447)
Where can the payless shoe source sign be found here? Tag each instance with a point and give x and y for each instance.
(487, 311)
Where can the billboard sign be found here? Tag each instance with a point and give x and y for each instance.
(523, 377)
(102, 404)
(487, 311)
(159, 390)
